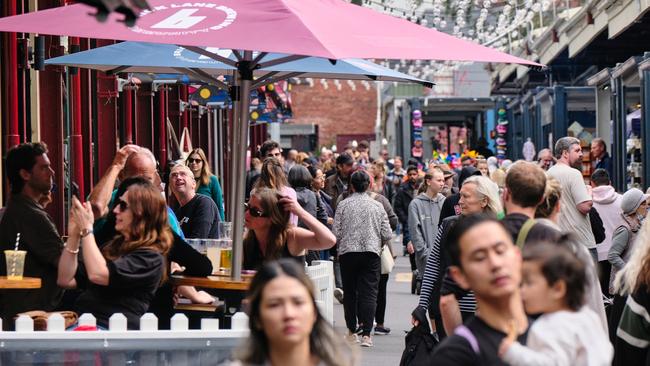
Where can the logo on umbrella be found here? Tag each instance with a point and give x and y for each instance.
(184, 19)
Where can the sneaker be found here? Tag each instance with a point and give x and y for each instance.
(338, 294)
(352, 338)
(366, 341)
(382, 330)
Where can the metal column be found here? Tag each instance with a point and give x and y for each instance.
(619, 153)
(240, 95)
(644, 73)
(560, 113)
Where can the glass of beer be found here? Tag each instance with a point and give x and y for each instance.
(15, 264)
(225, 255)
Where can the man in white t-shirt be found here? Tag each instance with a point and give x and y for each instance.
(576, 200)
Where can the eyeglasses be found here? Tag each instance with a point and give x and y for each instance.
(190, 160)
(253, 211)
(122, 205)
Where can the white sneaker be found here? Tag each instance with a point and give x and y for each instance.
(366, 341)
(352, 338)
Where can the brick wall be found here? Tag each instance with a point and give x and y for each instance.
(345, 111)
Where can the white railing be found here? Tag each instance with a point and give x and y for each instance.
(322, 275)
(118, 346)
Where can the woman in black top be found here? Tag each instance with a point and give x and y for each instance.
(270, 235)
(123, 276)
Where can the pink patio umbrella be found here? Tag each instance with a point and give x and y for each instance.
(331, 29)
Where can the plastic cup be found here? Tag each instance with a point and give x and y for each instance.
(213, 252)
(15, 264)
(198, 245)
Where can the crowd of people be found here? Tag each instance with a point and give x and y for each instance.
(515, 263)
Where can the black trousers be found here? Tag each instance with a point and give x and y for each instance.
(360, 273)
(380, 313)
(604, 270)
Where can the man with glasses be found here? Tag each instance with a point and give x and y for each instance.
(198, 214)
(545, 159)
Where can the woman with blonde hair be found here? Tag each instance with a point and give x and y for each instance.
(206, 182)
(548, 213)
(478, 194)
(270, 235)
(633, 333)
(122, 276)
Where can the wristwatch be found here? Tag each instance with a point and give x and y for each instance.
(85, 232)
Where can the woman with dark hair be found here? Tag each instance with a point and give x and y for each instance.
(286, 327)
(272, 176)
(206, 182)
(122, 276)
(270, 235)
(362, 228)
(300, 179)
(317, 185)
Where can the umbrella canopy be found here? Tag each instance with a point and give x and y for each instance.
(331, 29)
(164, 58)
(325, 28)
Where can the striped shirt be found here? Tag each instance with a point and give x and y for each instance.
(432, 277)
(634, 327)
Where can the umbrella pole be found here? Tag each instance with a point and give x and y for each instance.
(240, 94)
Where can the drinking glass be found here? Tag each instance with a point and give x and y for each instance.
(225, 230)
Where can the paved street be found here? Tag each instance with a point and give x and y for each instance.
(388, 349)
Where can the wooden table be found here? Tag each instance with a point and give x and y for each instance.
(219, 282)
(230, 292)
(25, 283)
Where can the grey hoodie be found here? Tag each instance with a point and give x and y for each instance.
(424, 214)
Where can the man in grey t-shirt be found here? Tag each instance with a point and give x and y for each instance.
(576, 200)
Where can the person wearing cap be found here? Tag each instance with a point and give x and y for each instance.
(635, 208)
(449, 188)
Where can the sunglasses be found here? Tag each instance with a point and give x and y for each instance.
(190, 160)
(253, 211)
(122, 205)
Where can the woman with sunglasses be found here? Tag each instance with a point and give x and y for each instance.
(206, 182)
(122, 276)
(270, 235)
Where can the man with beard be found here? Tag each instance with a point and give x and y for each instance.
(30, 177)
(338, 183)
(576, 200)
(401, 203)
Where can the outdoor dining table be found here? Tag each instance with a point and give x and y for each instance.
(217, 281)
(220, 284)
(24, 283)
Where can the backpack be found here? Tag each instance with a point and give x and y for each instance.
(420, 343)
